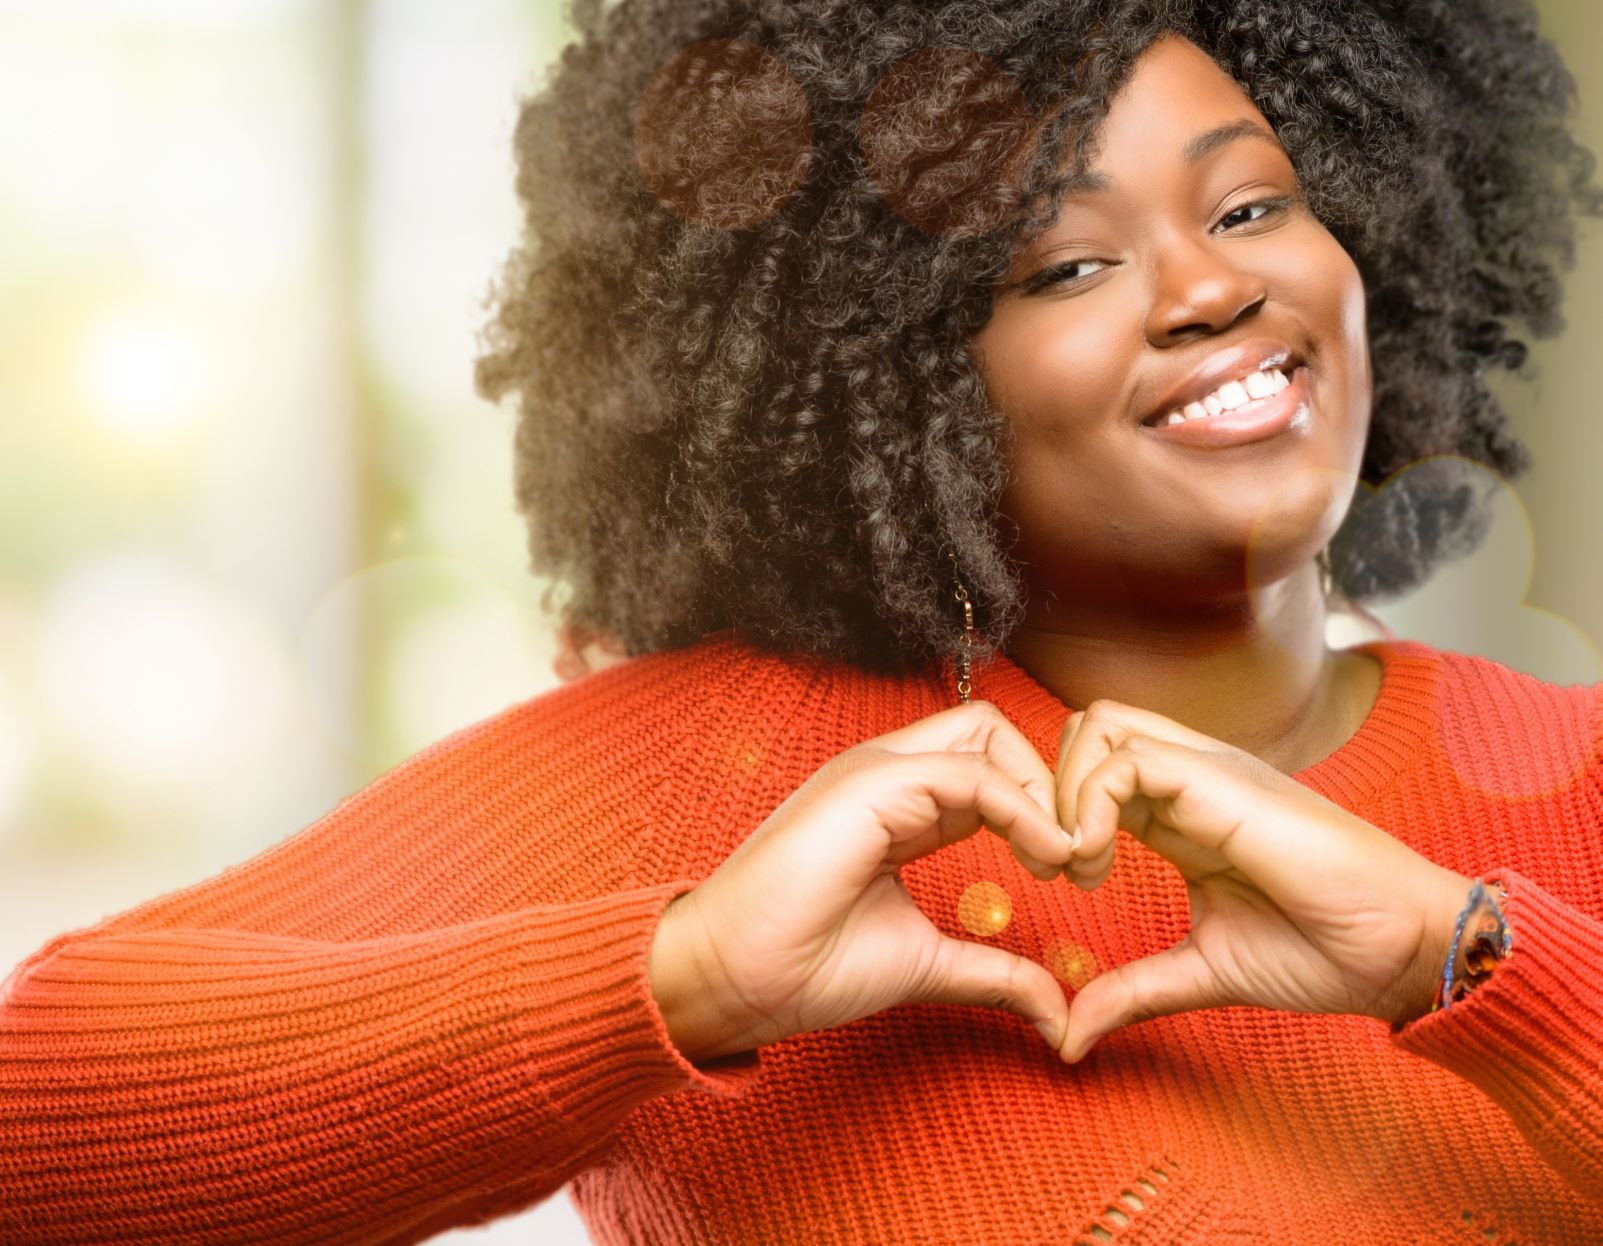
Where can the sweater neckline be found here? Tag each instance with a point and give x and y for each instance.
(1387, 741)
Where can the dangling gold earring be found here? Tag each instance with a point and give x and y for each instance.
(1327, 581)
(965, 644)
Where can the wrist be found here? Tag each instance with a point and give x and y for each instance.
(1458, 952)
(695, 1024)
(1416, 996)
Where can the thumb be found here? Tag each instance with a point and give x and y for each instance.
(1176, 979)
(989, 977)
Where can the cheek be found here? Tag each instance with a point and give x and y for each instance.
(1059, 384)
(1320, 284)
(1355, 330)
(1339, 305)
(1347, 376)
(1073, 490)
(1056, 370)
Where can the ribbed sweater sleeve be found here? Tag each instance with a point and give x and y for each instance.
(1531, 1035)
(427, 1009)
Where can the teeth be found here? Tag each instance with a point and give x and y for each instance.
(1233, 394)
(1229, 396)
(1259, 385)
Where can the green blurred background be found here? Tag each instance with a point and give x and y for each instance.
(257, 538)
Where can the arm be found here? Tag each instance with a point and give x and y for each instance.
(1531, 1035)
(428, 1008)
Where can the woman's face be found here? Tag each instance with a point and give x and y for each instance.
(1185, 272)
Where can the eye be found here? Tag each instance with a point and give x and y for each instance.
(1271, 207)
(1059, 275)
(1063, 274)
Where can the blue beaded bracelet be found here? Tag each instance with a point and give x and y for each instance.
(1491, 941)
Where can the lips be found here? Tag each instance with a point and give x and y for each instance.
(1288, 411)
(1234, 363)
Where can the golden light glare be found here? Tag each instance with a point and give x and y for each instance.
(142, 373)
(743, 753)
(1069, 962)
(985, 909)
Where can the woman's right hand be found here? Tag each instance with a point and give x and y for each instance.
(808, 924)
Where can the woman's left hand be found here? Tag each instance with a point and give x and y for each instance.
(1296, 904)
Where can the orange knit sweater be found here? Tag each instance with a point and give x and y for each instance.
(430, 1008)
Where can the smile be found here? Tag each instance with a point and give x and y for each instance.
(1257, 419)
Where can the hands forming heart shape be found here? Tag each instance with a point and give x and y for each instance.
(1296, 904)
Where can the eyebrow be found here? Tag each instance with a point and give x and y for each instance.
(1200, 146)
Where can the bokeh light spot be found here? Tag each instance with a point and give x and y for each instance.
(985, 909)
(743, 754)
(1471, 729)
(1475, 603)
(142, 373)
(1069, 962)
(452, 648)
(945, 134)
(723, 134)
(17, 752)
(155, 677)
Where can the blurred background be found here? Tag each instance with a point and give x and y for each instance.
(257, 536)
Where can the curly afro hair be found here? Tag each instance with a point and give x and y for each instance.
(760, 234)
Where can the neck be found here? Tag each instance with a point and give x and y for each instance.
(1254, 673)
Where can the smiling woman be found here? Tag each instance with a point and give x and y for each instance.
(1108, 376)
(1425, 146)
(817, 306)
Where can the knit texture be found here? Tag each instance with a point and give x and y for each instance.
(430, 1008)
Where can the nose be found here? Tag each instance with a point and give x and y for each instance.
(1199, 287)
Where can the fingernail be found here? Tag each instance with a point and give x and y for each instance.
(1074, 839)
(1047, 1031)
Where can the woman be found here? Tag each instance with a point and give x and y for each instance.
(895, 293)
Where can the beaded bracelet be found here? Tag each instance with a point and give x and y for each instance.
(1471, 960)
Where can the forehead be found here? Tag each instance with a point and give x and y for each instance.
(1178, 106)
(1193, 151)
(1175, 110)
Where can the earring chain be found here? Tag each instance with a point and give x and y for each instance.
(965, 645)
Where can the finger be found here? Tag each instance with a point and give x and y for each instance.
(958, 793)
(1091, 734)
(1088, 870)
(1176, 979)
(1102, 798)
(980, 975)
(1088, 737)
(1208, 799)
(1132, 718)
(980, 726)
